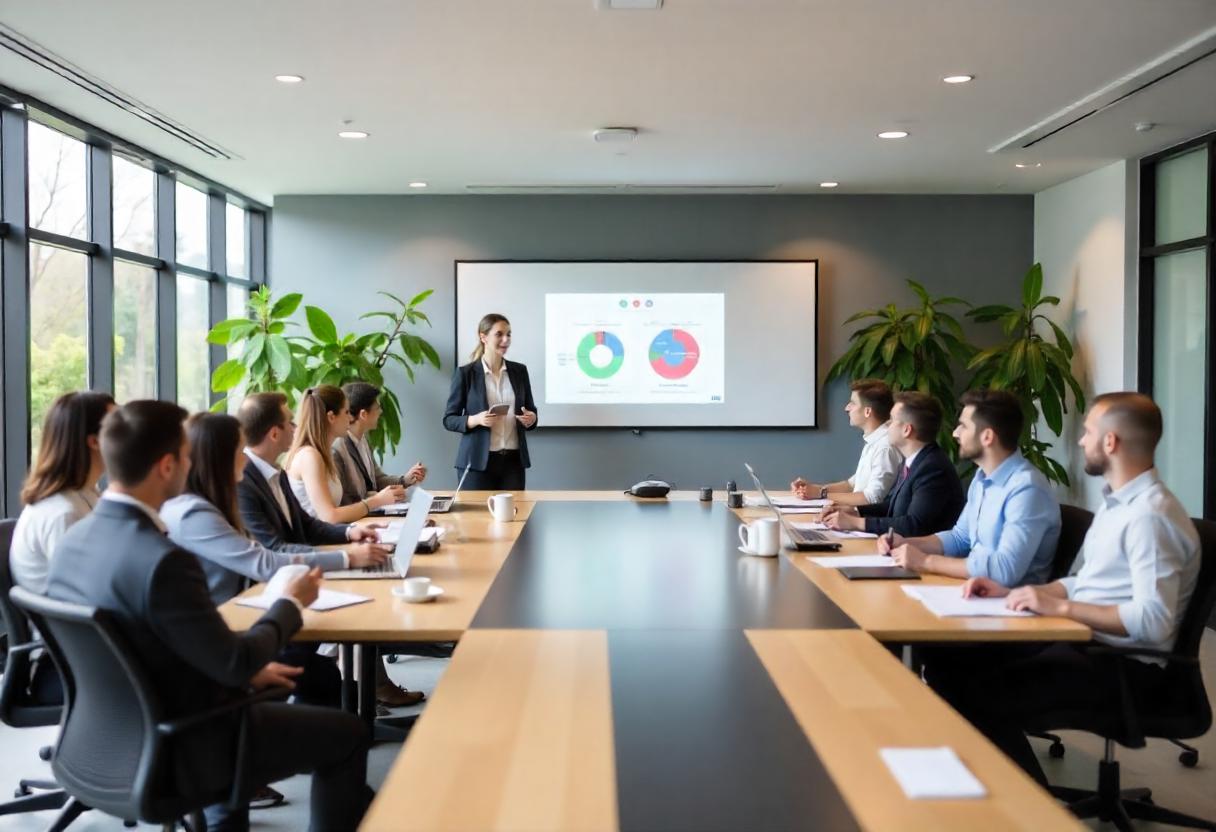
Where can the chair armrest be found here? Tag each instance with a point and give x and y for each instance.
(1145, 652)
(176, 726)
(26, 647)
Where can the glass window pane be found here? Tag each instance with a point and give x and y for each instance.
(238, 307)
(57, 182)
(58, 329)
(191, 226)
(134, 207)
(234, 241)
(193, 313)
(1180, 372)
(1182, 194)
(134, 332)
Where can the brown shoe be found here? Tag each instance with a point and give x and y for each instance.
(265, 797)
(395, 697)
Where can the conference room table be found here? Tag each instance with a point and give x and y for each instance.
(621, 665)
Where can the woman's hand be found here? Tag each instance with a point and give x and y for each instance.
(526, 417)
(386, 496)
(416, 474)
(484, 419)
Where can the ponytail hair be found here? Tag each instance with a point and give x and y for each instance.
(312, 423)
(483, 327)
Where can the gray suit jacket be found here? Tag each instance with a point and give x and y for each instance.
(357, 481)
(230, 560)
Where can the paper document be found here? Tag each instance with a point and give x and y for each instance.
(786, 505)
(948, 602)
(810, 526)
(852, 534)
(841, 561)
(327, 599)
(816, 526)
(391, 534)
(931, 773)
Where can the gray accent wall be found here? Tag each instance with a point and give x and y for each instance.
(340, 250)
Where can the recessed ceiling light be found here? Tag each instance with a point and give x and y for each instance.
(958, 79)
(828, 184)
(417, 184)
(1028, 164)
(353, 134)
(893, 134)
(289, 79)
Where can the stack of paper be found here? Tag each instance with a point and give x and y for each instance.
(841, 561)
(327, 599)
(948, 602)
(787, 505)
(931, 773)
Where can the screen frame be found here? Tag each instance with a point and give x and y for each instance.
(459, 362)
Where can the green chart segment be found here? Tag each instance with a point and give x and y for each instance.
(600, 354)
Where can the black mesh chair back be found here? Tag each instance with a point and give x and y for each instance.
(107, 753)
(17, 707)
(1074, 525)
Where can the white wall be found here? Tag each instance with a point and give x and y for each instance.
(1081, 237)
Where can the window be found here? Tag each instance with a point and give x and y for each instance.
(1177, 310)
(58, 337)
(191, 227)
(134, 332)
(234, 241)
(57, 184)
(193, 315)
(134, 207)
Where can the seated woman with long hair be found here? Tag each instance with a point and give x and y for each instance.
(323, 417)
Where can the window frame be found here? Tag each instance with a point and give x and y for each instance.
(16, 111)
(1149, 251)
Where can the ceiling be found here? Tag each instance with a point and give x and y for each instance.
(778, 93)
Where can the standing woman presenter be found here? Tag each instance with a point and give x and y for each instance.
(491, 405)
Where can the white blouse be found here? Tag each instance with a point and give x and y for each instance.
(301, 492)
(39, 529)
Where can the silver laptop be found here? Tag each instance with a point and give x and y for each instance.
(791, 537)
(399, 564)
(440, 505)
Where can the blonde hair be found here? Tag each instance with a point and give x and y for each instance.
(483, 327)
(312, 424)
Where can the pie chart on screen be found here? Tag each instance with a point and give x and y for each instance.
(674, 353)
(600, 354)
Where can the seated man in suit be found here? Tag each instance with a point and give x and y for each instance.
(358, 471)
(1139, 567)
(928, 494)
(1010, 526)
(119, 558)
(273, 517)
(869, 408)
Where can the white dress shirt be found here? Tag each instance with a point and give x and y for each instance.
(505, 433)
(878, 466)
(38, 530)
(1142, 555)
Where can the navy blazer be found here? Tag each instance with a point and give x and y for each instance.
(929, 500)
(264, 520)
(468, 397)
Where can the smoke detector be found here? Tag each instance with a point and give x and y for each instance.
(615, 135)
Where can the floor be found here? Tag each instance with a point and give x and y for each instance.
(1187, 790)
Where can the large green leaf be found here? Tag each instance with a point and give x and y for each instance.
(889, 347)
(920, 291)
(286, 306)
(1032, 286)
(429, 352)
(1061, 339)
(421, 296)
(233, 329)
(874, 339)
(983, 314)
(253, 350)
(280, 356)
(227, 375)
(321, 325)
(1011, 322)
(1036, 367)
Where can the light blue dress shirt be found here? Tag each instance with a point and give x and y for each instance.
(1010, 526)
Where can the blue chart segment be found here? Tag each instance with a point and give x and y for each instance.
(600, 354)
(674, 353)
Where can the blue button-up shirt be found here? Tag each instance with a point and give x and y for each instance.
(1010, 526)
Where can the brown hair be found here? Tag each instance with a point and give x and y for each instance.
(214, 441)
(922, 412)
(360, 396)
(64, 459)
(876, 395)
(1136, 418)
(483, 327)
(259, 413)
(312, 426)
(998, 410)
(138, 435)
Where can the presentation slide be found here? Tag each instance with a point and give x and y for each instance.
(651, 344)
(653, 348)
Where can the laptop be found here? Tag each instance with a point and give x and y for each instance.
(803, 541)
(399, 564)
(440, 505)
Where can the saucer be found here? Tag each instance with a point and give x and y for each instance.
(747, 551)
(432, 593)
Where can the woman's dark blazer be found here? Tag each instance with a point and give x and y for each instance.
(468, 397)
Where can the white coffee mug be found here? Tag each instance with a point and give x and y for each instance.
(761, 537)
(502, 507)
(415, 589)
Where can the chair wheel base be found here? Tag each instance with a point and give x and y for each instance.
(1056, 751)
(1190, 759)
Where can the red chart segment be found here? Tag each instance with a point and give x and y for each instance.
(674, 353)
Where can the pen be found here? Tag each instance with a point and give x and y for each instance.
(890, 539)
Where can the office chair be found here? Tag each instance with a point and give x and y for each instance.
(18, 709)
(114, 740)
(1178, 709)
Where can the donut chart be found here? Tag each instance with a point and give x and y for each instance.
(674, 353)
(600, 354)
